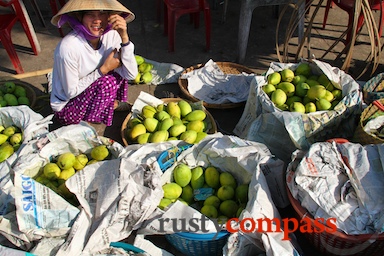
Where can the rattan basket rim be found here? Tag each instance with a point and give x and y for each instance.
(165, 100)
(183, 83)
(31, 94)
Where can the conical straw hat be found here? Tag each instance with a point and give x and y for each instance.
(89, 5)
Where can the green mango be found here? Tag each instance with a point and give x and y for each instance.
(172, 190)
(15, 139)
(200, 136)
(20, 91)
(159, 136)
(197, 178)
(182, 174)
(177, 129)
(161, 115)
(173, 109)
(23, 101)
(10, 130)
(143, 138)
(287, 87)
(139, 59)
(197, 126)
(137, 130)
(148, 111)
(146, 77)
(6, 150)
(151, 124)
(3, 138)
(137, 79)
(185, 107)
(189, 136)
(8, 87)
(165, 124)
(66, 160)
(187, 194)
(195, 115)
(11, 99)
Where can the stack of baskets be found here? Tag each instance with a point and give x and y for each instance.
(199, 244)
(227, 68)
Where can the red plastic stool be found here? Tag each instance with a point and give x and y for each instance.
(7, 21)
(348, 6)
(174, 9)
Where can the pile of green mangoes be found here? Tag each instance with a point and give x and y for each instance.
(300, 91)
(12, 94)
(172, 121)
(62, 167)
(11, 138)
(215, 194)
(144, 76)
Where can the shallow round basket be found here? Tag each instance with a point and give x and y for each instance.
(362, 137)
(227, 68)
(165, 100)
(31, 95)
(338, 243)
(199, 244)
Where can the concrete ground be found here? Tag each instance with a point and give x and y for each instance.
(146, 32)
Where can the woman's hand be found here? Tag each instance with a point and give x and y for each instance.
(120, 25)
(111, 62)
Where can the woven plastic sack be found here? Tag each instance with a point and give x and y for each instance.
(373, 89)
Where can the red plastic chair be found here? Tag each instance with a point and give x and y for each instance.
(55, 9)
(174, 9)
(348, 6)
(6, 23)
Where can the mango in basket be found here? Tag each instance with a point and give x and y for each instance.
(210, 211)
(182, 174)
(20, 91)
(185, 107)
(80, 162)
(173, 109)
(8, 87)
(305, 87)
(229, 208)
(100, 152)
(196, 115)
(66, 160)
(172, 190)
(10, 141)
(172, 121)
(146, 77)
(212, 177)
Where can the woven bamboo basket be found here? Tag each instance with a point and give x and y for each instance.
(31, 95)
(360, 136)
(227, 68)
(373, 89)
(339, 243)
(165, 100)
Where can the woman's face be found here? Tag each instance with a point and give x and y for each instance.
(95, 21)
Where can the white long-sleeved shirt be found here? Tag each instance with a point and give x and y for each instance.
(76, 65)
